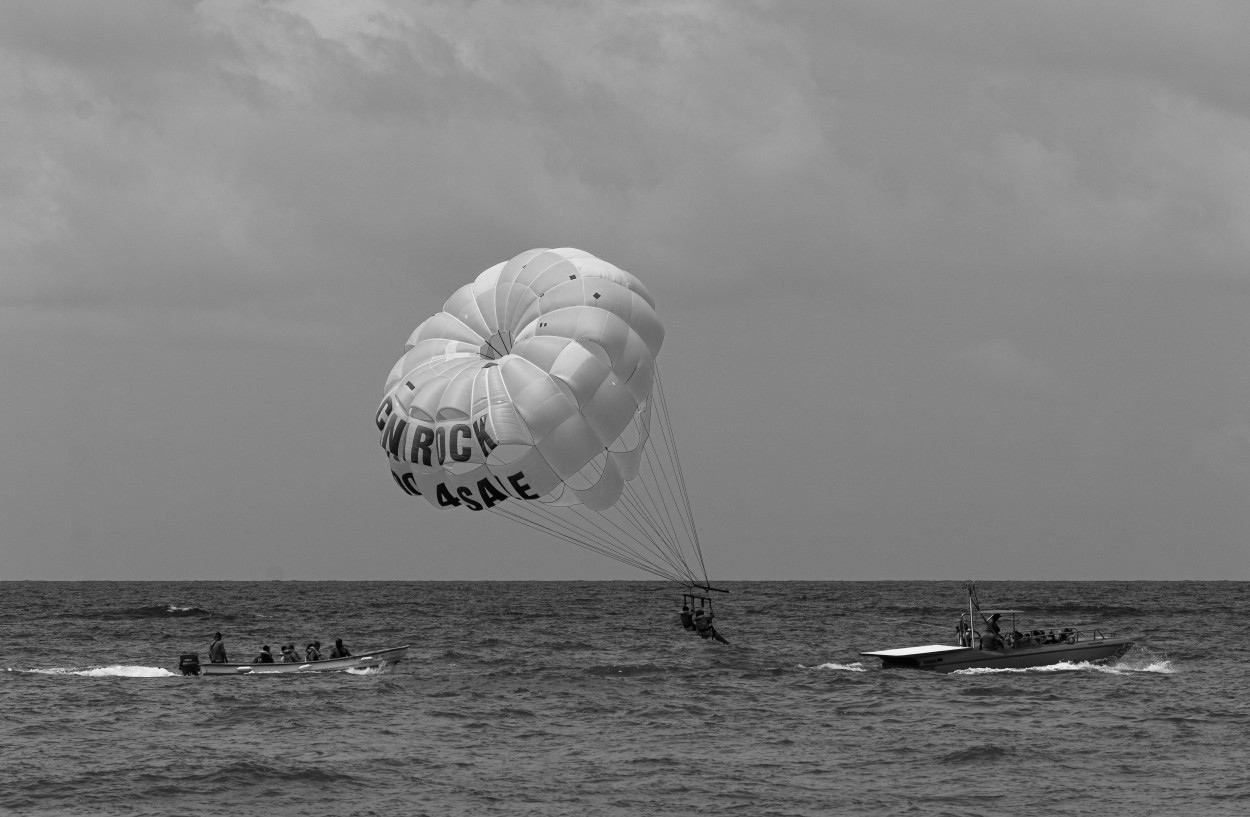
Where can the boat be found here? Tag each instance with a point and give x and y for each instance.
(189, 664)
(979, 647)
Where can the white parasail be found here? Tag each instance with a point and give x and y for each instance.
(533, 394)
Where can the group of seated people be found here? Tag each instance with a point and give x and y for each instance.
(700, 621)
(312, 652)
(994, 639)
(1036, 638)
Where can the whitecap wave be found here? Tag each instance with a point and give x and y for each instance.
(1144, 663)
(856, 667)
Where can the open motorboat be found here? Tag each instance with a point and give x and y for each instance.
(189, 664)
(991, 639)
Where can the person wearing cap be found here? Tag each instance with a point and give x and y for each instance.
(338, 650)
(313, 651)
(264, 656)
(217, 650)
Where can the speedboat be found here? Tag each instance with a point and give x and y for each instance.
(189, 664)
(991, 639)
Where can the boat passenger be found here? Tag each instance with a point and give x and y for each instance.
(1051, 638)
(217, 650)
(313, 651)
(338, 650)
(687, 618)
(1068, 636)
(992, 638)
(289, 655)
(264, 656)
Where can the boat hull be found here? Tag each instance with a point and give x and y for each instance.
(377, 659)
(941, 658)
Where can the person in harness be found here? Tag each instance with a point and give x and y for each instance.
(703, 625)
(687, 618)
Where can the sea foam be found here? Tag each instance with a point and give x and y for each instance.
(115, 671)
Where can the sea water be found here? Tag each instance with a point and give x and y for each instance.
(587, 698)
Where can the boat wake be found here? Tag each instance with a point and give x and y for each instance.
(115, 671)
(1123, 666)
(368, 670)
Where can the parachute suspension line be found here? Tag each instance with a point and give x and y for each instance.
(573, 525)
(632, 510)
(646, 501)
(656, 515)
(666, 428)
(638, 535)
(561, 529)
(631, 518)
(505, 344)
(660, 512)
(650, 527)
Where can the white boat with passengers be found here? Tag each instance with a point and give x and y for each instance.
(992, 639)
(379, 660)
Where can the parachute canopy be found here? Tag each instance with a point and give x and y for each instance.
(537, 382)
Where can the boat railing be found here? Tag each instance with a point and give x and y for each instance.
(1093, 635)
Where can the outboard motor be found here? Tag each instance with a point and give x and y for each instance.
(189, 663)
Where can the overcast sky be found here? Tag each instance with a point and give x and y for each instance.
(951, 289)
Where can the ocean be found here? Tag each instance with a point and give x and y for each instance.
(587, 698)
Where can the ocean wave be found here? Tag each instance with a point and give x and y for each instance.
(973, 755)
(855, 667)
(1161, 666)
(627, 670)
(149, 611)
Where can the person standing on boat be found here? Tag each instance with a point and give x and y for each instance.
(993, 638)
(217, 650)
(338, 650)
(264, 656)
